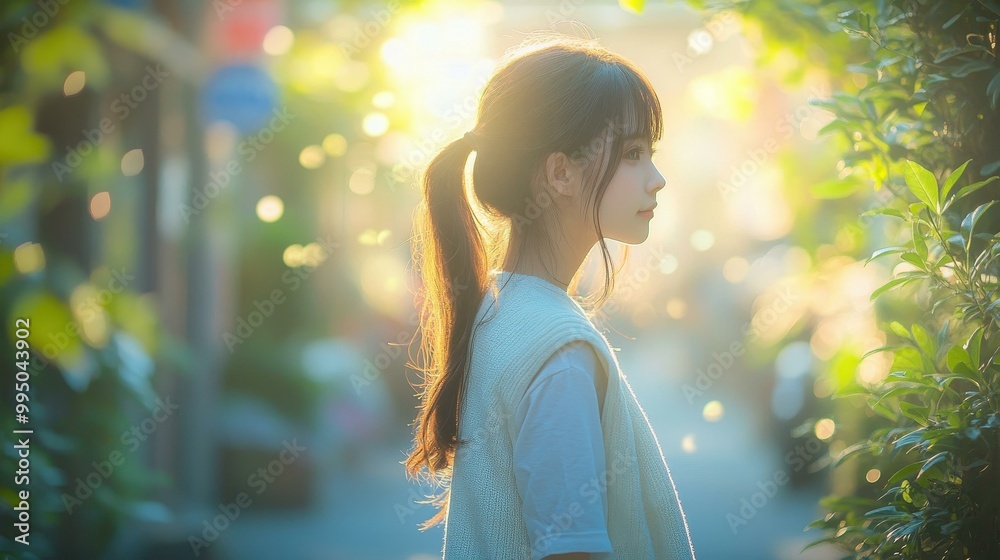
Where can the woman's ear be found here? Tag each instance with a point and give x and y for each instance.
(562, 174)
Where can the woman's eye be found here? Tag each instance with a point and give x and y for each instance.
(636, 151)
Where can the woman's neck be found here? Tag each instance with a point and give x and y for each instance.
(559, 270)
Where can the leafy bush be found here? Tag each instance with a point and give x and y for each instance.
(942, 397)
(914, 81)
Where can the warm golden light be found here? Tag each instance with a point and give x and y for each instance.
(375, 124)
(88, 312)
(873, 475)
(278, 40)
(270, 208)
(374, 237)
(729, 94)
(383, 99)
(335, 145)
(713, 411)
(132, 162)
(394, 52)
(29, 257)
(74, 83)
(292, 257)
(311, 255)
(362, 181)
(875, 368)
(735, 270)
(312, 157)
(100, 205)
(699, 41)
(351, 76)
(702, 239)
(668, 264)
(687, 444)
(824, 429)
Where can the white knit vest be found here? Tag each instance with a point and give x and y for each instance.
(526, 322)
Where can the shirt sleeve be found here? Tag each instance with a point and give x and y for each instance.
(559, 461)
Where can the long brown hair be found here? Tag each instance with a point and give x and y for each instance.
(550, 94)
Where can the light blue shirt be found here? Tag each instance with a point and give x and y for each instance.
(559, 460)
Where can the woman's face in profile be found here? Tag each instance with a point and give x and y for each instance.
(625, 210)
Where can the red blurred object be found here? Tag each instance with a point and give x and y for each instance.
(235, 29)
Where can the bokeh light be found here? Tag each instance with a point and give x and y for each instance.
(278, 40)
(74, 83)
(312, 157)
(270, 208)
(29, 257)
(100, 205)
(133, 162)
(713, 411)
(824, 429)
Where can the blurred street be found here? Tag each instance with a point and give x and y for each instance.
(358, 520)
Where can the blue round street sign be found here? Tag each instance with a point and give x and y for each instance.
(241, 94)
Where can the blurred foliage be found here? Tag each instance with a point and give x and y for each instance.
(93, 339)
(914, 81)
(96, 349)
(942, 396)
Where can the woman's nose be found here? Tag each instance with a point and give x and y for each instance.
(657, 183)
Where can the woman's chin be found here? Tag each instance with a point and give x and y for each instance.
(633, 237)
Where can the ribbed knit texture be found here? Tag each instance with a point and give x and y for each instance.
(526, 322)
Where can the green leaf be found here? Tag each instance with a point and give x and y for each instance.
(993, 91)
(885, 251)
(885, 212)
(886, 511)
(922, 184)
(952, 179)
(918, 241)
(877, 350)
(914, 259)
(958, 357)
(884, 411)
(907, 359)
(832, 539)
(931, 462)
(973, 345)
(899, 329)
(851, 451)
(969, 223)
(890, 285)
(909, 439)
(969, 189)
(914, 412)
(954, 18)
(21, 144)
(924, 341)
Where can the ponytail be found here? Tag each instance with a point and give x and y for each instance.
(452, 261)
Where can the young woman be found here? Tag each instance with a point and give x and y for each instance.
(526, 418)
